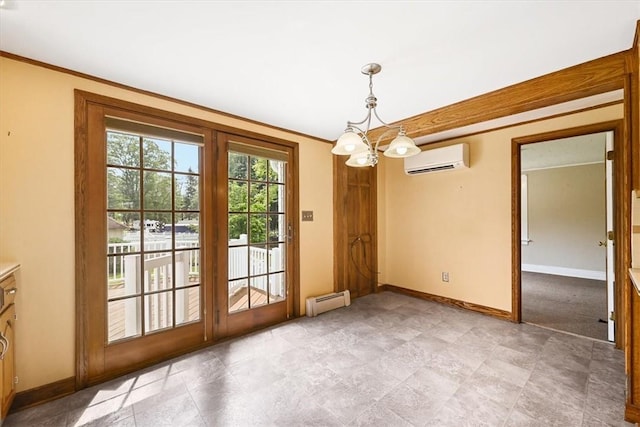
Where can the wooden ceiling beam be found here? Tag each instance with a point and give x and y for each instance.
(590, 78)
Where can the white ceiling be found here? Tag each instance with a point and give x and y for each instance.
(573, 151)
(297, 65)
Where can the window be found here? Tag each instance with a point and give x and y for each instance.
(257, 231)
(153, 192)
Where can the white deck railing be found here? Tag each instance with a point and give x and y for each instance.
(124, 267)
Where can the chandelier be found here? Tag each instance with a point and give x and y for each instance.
(355, 143)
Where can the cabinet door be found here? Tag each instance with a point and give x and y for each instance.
(8, 332)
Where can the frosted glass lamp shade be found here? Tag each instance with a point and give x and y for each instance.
(359, 160)
(401, 146)
(349, 143)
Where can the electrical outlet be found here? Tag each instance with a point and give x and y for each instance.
(445, 276)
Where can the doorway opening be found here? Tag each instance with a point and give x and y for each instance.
(568, 213)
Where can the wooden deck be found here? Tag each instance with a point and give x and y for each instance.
(116, 311)
(237, 302)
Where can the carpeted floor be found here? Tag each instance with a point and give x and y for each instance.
(566, 304)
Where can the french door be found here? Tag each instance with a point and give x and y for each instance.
(259, 230)
(184, 235)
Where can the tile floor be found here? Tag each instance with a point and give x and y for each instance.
(388, 360)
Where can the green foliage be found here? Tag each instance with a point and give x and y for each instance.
(255, 200)
(124, 180)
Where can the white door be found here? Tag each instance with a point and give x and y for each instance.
(610, 243)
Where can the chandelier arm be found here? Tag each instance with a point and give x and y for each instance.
(385, 123)
(367, 117)
(383, 134)
(353, 126)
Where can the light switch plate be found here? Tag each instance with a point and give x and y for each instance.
(307, 215)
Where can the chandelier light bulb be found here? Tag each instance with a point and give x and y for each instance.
(349, 143)
(402, 146)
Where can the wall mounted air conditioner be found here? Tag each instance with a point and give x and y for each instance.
(322, 303)
(438, 159)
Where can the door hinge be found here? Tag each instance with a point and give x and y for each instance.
(610, 155)
(610, 235)
(612, 316)
(15, 379)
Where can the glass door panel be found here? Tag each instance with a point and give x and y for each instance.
(153, 241)
(256, 217)
(258, 176)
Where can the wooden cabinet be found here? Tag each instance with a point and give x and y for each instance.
(8, 290)
(7, 357)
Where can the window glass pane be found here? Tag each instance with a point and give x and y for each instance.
(157, 190)
(238, 295)
(187, 268)
(258, 291)
(157, 231)
(158, 311)
(123, 272)
(257, 260)
(238, 262)
(277, 257)
(123, 227)
(276, 198)
(258, 197)
(277, 289)
(158, 271)
(238, 196)
(187, 157)
(277, 171)
(258, 226)
(187, 305)
(187, 192)
(123, 149)
(123, 188)
(156, 154)
(187, 232)
(238, 165)
(277, 228)
(124, 318)
(258, 168)
(237, 229)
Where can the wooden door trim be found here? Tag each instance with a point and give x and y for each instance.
(622, 212)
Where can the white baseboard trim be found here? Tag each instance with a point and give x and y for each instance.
(562, 271)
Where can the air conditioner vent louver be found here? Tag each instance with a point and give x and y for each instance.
(323, 303)
(438, 159)
(433, 169)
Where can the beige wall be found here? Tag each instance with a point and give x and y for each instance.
(567, 218)
(37, 208)
(459, 221)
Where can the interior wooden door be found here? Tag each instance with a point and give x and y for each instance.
(355, 222)
(255, 287)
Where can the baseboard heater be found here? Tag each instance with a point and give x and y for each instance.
(323, 303)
